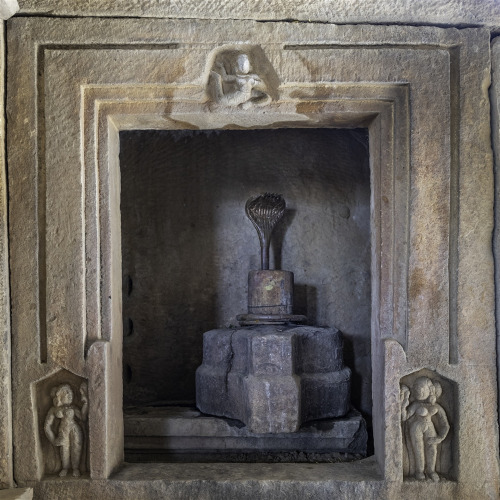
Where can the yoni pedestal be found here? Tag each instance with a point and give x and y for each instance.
(273, 378)
(270, 374)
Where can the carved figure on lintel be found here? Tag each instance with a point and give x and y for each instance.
(64, 426)
(232, 81)
(425, 425)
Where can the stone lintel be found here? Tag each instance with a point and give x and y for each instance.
(442, 12)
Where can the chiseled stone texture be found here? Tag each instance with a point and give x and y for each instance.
(495, 134)
(6, 478)
(273, 378)
(16, 494)
(346, 481)
(444, 12)
(431, 308)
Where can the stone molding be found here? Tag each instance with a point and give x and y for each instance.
(7, 9)
(495, 135)
(96, 77)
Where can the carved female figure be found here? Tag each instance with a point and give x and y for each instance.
(427, 424)
(62, 428)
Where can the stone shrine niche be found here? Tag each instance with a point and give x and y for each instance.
(187, 245)
(62, 410)
(428, 419)
(75, 86)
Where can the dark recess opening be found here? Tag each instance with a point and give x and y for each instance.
(187, 245)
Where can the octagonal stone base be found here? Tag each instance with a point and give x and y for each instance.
(273, 378)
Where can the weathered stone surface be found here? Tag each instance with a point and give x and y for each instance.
(6, 459)
(223, 481)
(175, 430)
(443, 12)
(17, 494)
(349, 481)
(270, 292)
(269, 378)
(495, 134)
(74, 83)
(273, 403)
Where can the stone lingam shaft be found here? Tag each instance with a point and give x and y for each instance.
(270, 292)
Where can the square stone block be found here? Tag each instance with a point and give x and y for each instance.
(273, 404)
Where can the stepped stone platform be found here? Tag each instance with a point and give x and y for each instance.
(158, 431)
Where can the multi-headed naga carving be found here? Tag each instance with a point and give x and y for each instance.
(64, 426)
(265, 211)
(425, 425)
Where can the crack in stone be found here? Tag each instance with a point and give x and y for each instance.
(229, 363)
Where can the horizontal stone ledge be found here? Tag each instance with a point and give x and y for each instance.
(175, 430)
(442, 12)
(222, 481)
(182, 421)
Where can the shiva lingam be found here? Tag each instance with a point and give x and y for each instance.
(270, 373)
(270, 292)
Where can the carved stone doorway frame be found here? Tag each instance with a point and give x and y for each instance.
(84, 80)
